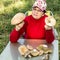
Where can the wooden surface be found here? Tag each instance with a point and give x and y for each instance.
(11, 52)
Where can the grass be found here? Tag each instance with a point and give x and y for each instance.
(3, 41)
(6, 14)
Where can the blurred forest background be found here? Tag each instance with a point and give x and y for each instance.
(8, 8)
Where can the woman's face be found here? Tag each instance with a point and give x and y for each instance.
(36, 13)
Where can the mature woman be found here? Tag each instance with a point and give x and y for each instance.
(34, 25)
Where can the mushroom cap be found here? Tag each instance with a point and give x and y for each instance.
(34, 52)
(22, 49)
(50, 21)
(42, 47)
(41, 52)
(19, 17)
(29, 47)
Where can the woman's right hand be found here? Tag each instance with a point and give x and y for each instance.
(19, 26)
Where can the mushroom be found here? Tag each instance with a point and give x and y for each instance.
(34, 52)
(18, 18)
(50, 21)
(48, 51)
(41, 52)
(27, 54)
(29, 47)
(22, 49)
(42, 47)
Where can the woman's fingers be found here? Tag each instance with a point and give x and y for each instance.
(19, 26)
(48, 27)
(50, 21)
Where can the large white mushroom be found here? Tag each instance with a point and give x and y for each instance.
(50, 21)
(18, 18)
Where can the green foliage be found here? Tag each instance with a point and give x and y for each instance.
(53, 5)
(7, 11)
(3, 41)
(6, 3)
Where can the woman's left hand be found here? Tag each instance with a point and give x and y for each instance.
(49, 22)
(47, 27)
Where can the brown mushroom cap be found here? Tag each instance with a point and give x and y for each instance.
(19, 17)
(34, 52)
(41, 52)
(22, 49)
(29, 47)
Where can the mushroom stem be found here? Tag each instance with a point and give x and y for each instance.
(46, 57)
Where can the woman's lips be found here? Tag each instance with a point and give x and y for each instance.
(35, 14)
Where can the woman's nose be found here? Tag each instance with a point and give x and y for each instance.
(36, 11)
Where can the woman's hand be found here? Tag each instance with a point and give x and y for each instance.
(47, 27)
(49, 22)
(19, 26)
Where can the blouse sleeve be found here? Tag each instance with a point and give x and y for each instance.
(49, 36)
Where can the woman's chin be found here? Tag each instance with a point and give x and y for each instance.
(35, 17)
